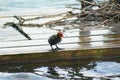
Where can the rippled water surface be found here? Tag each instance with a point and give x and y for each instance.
(11, 5)
(16, 5)
(62, 70)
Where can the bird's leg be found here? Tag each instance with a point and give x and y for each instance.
(58, 47)
(51, 47)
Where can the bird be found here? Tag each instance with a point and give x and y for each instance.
(55, 39)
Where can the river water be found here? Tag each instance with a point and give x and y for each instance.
(19, 6)
(80, 69)
(107, 69)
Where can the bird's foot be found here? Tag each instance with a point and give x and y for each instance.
(56, 49)
(52, 50)
(59, 48)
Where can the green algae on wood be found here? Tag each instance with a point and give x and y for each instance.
(65, 54)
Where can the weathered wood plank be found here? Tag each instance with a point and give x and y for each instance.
(66, 54)
(65, 41)
(76, 44)
(67, 35)
(46, 48)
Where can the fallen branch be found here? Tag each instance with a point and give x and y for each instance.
(93, 4)
(107, 20)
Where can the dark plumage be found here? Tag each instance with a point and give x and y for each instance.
(55, 39)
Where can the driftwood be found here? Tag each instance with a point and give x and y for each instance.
(19, 29)
(109, 11)
(90, 3)
(60, 21)
(106, 13)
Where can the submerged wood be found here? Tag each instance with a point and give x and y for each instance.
(19, 29)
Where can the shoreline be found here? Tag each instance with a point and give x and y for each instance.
(28, 13)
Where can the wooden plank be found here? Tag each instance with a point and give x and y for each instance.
(67, 35)
(87, 53)
(44, 42)
(41, 31)
(77, 32)
(39, 37)
(81, 44)
(46, 48)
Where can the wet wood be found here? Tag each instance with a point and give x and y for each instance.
(66, 54)
(65, 41)
(78, 44)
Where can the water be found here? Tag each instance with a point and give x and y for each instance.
(27, 5)
(62, 70)
(16, 5)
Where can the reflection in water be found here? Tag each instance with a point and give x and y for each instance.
(97, 38)
(97, 43)
(105, 70)
(91, 40)
(21, 76)
(61, 70)
(95, 70)
(83, 39)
